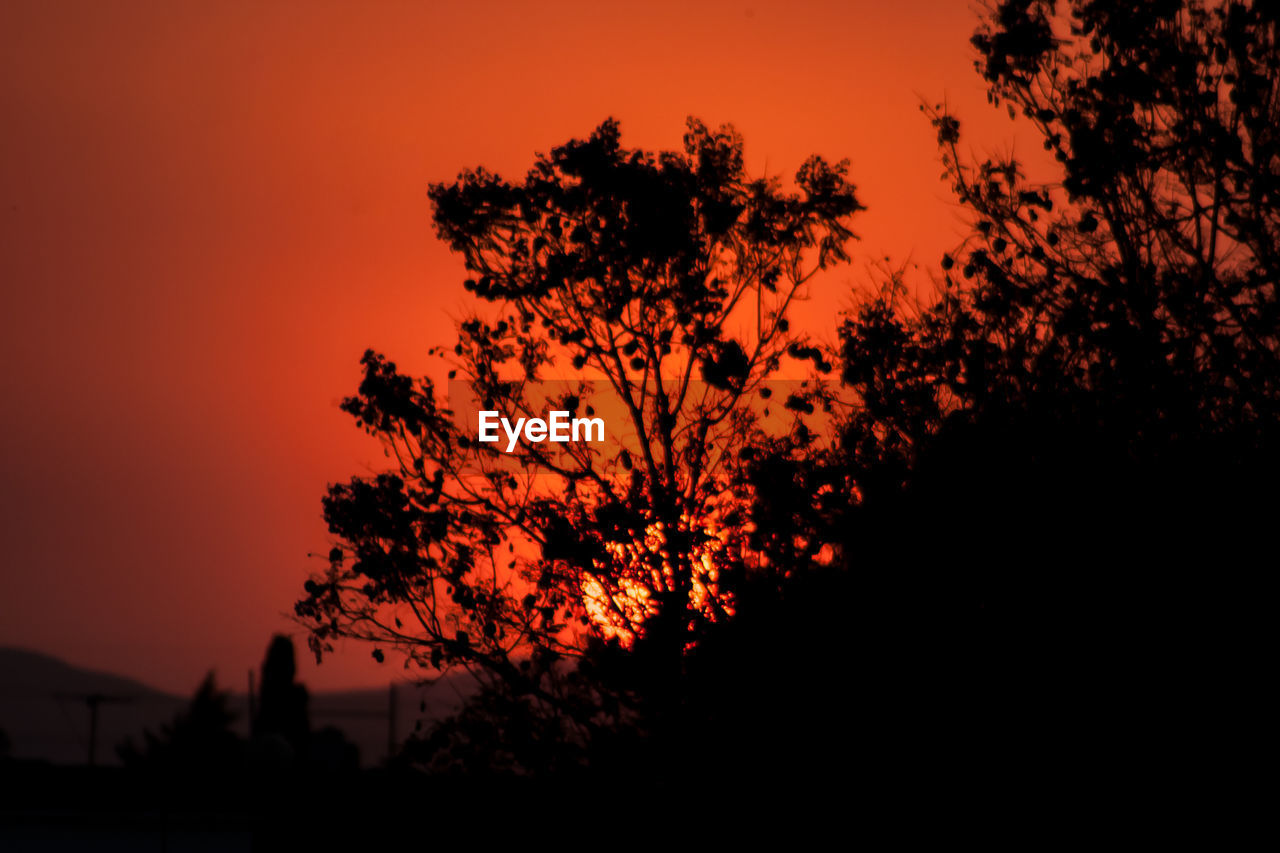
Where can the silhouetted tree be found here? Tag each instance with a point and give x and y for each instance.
(1147, 273)
(1052, 486)
(282, 734)
(662, 278)
(282, 708)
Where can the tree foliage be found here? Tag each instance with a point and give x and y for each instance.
(1147, 273)
(658, 283)
(1054, 478)
(1122, 310)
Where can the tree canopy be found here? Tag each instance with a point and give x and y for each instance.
(1122, 313)
(660, 281)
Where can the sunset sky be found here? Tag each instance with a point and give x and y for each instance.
(211, 209)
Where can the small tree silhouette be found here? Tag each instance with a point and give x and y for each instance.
(199, 740)
(282, 710)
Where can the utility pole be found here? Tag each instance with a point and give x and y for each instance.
(94, 700)
(253, 717)
(391, 721)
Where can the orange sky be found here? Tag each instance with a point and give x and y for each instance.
(211, 209)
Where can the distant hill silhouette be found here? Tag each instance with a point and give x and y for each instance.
(28, 670)
(44, 714)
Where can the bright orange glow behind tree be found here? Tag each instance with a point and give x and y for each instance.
(212, 209)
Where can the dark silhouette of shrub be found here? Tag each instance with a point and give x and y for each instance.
(200, 739)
